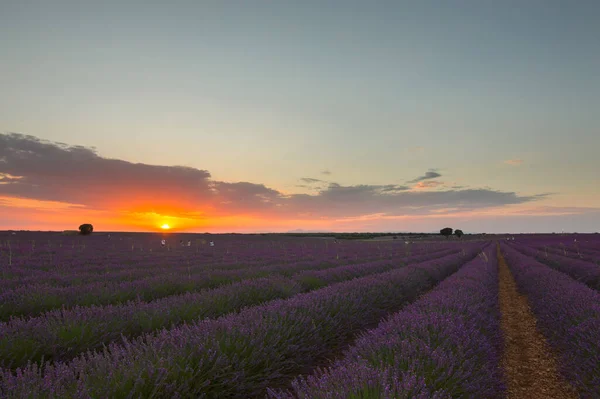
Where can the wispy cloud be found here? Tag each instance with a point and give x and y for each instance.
(326, 172)
(431, 174)
(514, 162)
(310, 180)
(390, 188)
(5, 178)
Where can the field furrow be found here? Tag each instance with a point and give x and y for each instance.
(568, 314)
(529, 363)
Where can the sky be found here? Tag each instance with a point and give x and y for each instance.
(308, 115)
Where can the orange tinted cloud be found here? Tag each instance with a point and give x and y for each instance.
(427, 184)
(36, 204)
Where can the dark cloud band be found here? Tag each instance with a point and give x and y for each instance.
(42, 170)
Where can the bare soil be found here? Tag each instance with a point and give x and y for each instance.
(530, 368)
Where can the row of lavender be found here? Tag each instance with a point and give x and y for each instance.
(240, 354)
(446, 345)
(581, 246)
(138, 272)
(35, 298)
(32, 300)
(572, 251)
(577, 254)
(24, 266)
(62, 334)
(46, 250)
(581, 270)
(129, 267)
(107, 266)
(568, 314)
(122, 267)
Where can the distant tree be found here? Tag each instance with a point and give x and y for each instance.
(395, 237)
(447, 232)
(458, 233)
(86, 229)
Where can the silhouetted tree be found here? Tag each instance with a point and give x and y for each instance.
(458, 233)
(86, 229)
(447, 232)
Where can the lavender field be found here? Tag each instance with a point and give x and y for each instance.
(299, 200)
(256, 316)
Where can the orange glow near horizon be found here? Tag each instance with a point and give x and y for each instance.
(21, 213)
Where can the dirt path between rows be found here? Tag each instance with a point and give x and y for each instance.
(530, 368)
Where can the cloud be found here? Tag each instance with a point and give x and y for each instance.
(514, 162)
(545, 210)
(58, 172)
(351, 201)
(428, 184)
(5, 178)
(310, 180)
(32, 169)
(11, 202)
(325, 172)
(431, 174)
(388, 188)
(242, 196)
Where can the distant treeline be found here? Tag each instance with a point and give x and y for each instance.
(356, 236)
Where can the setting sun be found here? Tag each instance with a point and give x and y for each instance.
(165, 227)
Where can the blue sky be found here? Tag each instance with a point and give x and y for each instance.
(376, 93)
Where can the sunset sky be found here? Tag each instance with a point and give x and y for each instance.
(255, 116)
